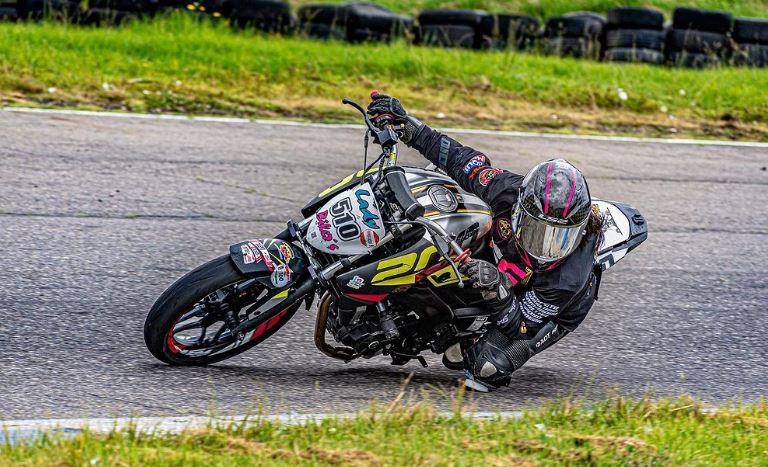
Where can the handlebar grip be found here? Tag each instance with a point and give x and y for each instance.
(396, 181)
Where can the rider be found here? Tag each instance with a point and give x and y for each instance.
(544, 238)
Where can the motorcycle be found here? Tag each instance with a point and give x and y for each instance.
(381, 249)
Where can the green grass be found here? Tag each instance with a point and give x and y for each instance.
(616, 431)
(187, 65)
(547, 8)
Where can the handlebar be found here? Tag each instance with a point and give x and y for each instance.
(395, 177)
(384, 135)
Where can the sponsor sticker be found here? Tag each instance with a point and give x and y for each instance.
(487, 175)
(356, 282)
(475, 171)
(281, 276)
(610, 222)
(369, 238)
(257, 245)
(248, 255)
(476, 161)
(325, 229)
(369, 218)
(504, 229)
(286, 252)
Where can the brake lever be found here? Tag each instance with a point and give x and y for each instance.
(368, 122)
(444, 250)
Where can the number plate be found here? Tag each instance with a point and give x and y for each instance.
(349, 224)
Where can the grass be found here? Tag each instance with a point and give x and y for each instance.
(189, 65)
(616, 431)
(547, 8)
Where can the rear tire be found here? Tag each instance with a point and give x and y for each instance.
(179, 299)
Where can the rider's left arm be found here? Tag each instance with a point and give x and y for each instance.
(470, 168)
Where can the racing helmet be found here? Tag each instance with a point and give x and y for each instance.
(552, 212)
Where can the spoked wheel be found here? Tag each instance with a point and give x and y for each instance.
(189, 326)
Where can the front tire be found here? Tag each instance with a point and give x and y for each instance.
(181, 297)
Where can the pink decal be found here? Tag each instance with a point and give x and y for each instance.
(571, 193)
(324, 226)
(508, 268)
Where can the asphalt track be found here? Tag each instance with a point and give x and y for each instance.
(98, 215)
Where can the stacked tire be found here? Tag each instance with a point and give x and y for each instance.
(575, 34)
(8, 12)
(634, 35)
(453, 28)
(107, 12)
(698, 38)
(750, 36)
(502, 31)
(354, 22)
(66, 10)
(371, 23)
(323, 21)
(265, 15)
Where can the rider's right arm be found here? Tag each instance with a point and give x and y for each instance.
(470, 168)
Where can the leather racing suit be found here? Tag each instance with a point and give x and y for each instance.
(549, 300)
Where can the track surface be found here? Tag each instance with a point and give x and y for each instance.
(99, 215)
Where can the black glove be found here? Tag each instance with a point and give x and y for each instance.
(385, 109)
(486, 276)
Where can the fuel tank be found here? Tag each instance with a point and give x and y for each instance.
(462, 214)
(446, 203)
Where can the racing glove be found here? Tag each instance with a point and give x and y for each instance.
(385, 109)
(495, 286)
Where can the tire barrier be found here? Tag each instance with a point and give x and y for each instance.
(265, 15)
(696, 38)
(8, 13)
(634, 35)
(575, 34)
(750, 38)
(64, 10)
(372, 23)
(354, 22)
(502, 30)
(452, 28)
(322, 21)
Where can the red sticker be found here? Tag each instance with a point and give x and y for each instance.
(369, 238)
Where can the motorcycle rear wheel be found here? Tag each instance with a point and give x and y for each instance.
(181, 299)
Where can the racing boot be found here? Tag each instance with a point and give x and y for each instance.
(491, 361)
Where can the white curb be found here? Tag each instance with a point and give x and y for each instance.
(519, 134)
(13, 431)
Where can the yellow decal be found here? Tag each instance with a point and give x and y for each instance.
(445, 276)
(346, 180)
(394, 267)
(282, 294)
(402, 270)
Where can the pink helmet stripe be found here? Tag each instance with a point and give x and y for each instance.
(572, 192)
(547, 187)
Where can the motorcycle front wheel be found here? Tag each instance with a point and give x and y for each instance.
(181, 330)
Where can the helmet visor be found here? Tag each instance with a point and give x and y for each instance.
(544, 241)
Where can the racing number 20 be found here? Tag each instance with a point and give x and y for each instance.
(344, 221)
